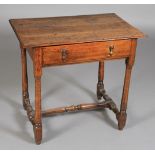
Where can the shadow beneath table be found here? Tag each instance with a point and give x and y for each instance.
(50, 132)
(20, 119)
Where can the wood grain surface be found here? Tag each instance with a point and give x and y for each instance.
(34, 32)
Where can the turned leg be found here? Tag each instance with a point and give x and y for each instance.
(37, 116)
(25, 93)
(122, 116)
(100, 85)
(37, 119)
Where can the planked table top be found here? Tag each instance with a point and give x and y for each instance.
(36, 32)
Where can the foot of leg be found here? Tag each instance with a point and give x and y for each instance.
(121, 117)
(37, 132)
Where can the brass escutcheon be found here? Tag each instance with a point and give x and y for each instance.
(64, 54)
(111, 48)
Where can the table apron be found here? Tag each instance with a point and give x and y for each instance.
(86, 52)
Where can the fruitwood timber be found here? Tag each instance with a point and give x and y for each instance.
(58, 41)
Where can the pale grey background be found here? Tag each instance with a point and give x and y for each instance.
(76, 84)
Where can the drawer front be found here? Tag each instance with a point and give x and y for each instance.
(86, 52)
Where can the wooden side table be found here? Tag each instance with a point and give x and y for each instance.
(70, 40)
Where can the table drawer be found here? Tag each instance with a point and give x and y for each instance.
(86, 52)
